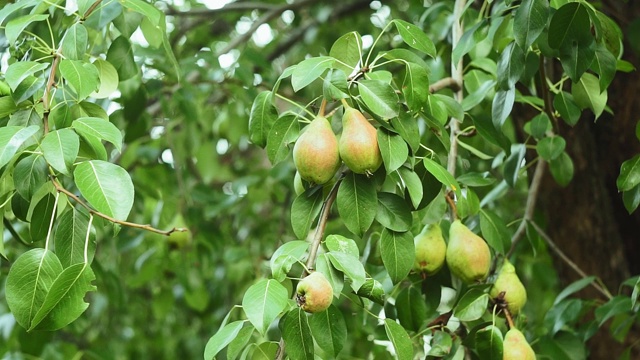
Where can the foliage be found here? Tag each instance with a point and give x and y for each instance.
(113, 116)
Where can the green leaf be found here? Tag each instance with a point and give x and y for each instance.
(284, 132)
(263, 302)
(11, 138)
(19, 71)
(145, 9)
(472, 305)
(263, 116)
(16, 26)
(529, 21)
(70, 238)
(510, 66)
(415, 86)
(297, 335)
(398, 253)
(502, 105)
(351, 267)
(494, 231)
(549, 148)
(28, 88)
(348, 51)
(60, 149)
(334, 86)
(108, 79)
(64, 301)
(324, 265)
(407, 127)
(453, 107)
(513, 164)
(631, 199)
(41, 217)
(29, 174)
(266, 351)
(562, 169)
(106, 186)
(309, 70)
(413, 186)
(7, 106)
(339, 243)
(489, 343)
(120, 55)
(28, 282)
(393, 149)
(570, 23)
(74, 44)
(617, 305)
(441, 174)
(566, 106)
(222, 338)
(380, 98)
(285, 256)
(573, 288)
(393, 212)
(329, 330)
(539, 126)
(415, 37)
(604, 65)
(629, 174)
(474, 151)
(82, 76)
(400, 339)
(467, 42)
(576, 58)
(442, 344)
(239, 342)
(304, 210)
(476, 179)
(372, 290)
(411, 308)
(357, 202)
(472, 100)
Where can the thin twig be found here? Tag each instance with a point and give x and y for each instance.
(457, 75)
(567, 260)
(231, 7)
(448, 82)
(147, 227)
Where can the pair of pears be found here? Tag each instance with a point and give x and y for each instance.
(317, 152)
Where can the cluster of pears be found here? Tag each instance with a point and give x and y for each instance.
(516, 347)
(314, 293)
(468, 256)
(317, 152)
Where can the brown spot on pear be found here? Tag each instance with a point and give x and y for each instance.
(508, 282)
(430, 249)
(314, 293)
(468, 256)
(359, 143)
(315, 154)
(516, 347)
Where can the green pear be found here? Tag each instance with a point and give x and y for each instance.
(179, 239)
(359, 143)
(315, 154)
(430, 249)
(516, 347)
(468, 256)
(508, 282)
(314, 293)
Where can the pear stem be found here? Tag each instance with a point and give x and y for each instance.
(452, 205)
(345, 103)
(323, 105)
(507, 314)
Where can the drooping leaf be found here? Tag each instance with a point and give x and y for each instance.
(413, 186)
(411, 308)
(347, 50)
(357, 202)
(74, 44)
(350, 266)
(29, 174)
(16, 26)
(108, 79)
(285, 256)
(629, 174)
(407, 127)
(296, 334)
(562, 169)
(71, 236)
(415, 86)
(398, 253)
(120, 55)
(569, 24)
(502, 105)
(263, 115)
(335, 278)
(222, 338)
(564, 103)
(17, 72)
(380, 98)
(549, 148)
(400, 339)
(283, 133)
(263, 302)
(472, 305)
(513, 164)
(304, 210)
(510, 66)
(107, 187)
(494, 231)
(329, 330)
(11, 138)
(60, 149)
(489, 343)
(529, 21)
(441, 174)
(393, 212)
(41, 217)
(393, 149)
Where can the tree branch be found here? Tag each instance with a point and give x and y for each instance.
(147, 227)
(448, 82)
(457, 75)
(567, 260)
(530, 207)
(231, 7)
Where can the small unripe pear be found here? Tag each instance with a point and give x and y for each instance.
(430, 249)
(508, 282)
(315, 154)
(468, 256)
(359, 143)
(314, 293)
(516, 347)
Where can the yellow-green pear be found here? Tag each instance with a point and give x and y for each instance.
(468, 256)
(315, 153)
(359, 143)
(314, 293)
(508, 282)
(516, 347)
(430, 249)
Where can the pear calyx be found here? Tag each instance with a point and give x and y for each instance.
(315, 153)
(359, 143)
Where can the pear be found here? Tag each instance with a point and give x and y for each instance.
(508, 282)
(359, 143)
(314, 293)
(516, 347)
(430, 249)
(315, 154)
(468, 256)
(179, 239)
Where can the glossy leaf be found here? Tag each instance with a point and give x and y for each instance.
(564, 103)
(285, 256)
(400, 339)
(494, 231)
(120, 55)
(393, 149)
(350, 266)
(263, 116)
(411, 308)
(60, 149)
(489, 343)
(304, 210)
(380, 98)
(529, 21)
(108, 79)
(309, 70)
(70, 238)
(372, 289)
(415, 86)
(17, 72)
(357, 202)
(222, 338)
(604, 65)
(441, 174)
(510, 66)
(347, 50)
(549, 148)
(335, 278)
(339, 243)
(502, 105)
(562, 169)
(398, 253)
(513, 164)
(570, 23)
(82, 76)
(413, 186)
(415, 37)
(629, 174)
(472, 305)
(393, 212)
(41, 217)
(296, 334)
(29, 174)
(329, 330)
(74, 44)
(11, 138)
(263, 302)
(283, 133)
(16, 26)
(107, 187)
(407, 127)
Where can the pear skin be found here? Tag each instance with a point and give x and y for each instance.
(516, 347)
(515, 294)
(314, 293)
(359, 143)
(430, 250)
(468, 256)
(315, 154)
